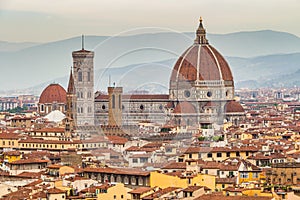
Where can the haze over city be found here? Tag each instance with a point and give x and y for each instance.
(44, 21)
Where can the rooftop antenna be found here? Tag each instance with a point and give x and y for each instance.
(82, 42)
(109, 81)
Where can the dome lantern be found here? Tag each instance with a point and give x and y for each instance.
(201, 34)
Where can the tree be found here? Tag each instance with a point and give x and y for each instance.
(17, 109)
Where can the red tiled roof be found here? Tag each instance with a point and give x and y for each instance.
(220, 196)
(9, 136)
(109, 170)
(140, 190)
(161, 192)
(128, 97)
(29, 175)
(41, 141)
(117, 139)
(29, 161)
(12, 153)
(55, 191)
(192, 188)
(56, 129)
(175, 165)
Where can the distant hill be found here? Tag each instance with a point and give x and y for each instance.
(255, 43)
(15, 46)
(274, 71)
(250, 56)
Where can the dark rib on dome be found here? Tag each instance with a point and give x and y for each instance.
(53, 93)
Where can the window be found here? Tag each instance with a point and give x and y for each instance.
(206, 171)
(160, 107)
(42, 108)
(143, 160)
(209, 94)
(190, 155)
(187, 93)
(209, 155)
(89, 95)
(244, 175)
(122, 196)
(219, 155)
(115, 196)
(89, 76)
(113, 101)
(255, 174)
(135, 160)
(120, 102)
(237, 154)
(142, 107)
(80, 75)
(228, 154)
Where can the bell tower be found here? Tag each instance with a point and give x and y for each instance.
(71, 111)
(115, 106)
(83, 70)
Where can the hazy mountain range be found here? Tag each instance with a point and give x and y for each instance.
(144, 61)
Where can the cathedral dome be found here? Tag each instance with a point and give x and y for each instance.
(53, 93)
(185, 108)
(201, 62)
(233, 107)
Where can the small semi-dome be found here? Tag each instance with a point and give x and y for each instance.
(53, 93)
(201, 62)
(233, 107)
(185, 108)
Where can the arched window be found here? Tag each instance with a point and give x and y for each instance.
(42, 108)
(89, 76)
(79, 75)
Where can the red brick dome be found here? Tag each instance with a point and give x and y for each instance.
(201, 62)
(233, 106)
(53, 93)
(185, 108)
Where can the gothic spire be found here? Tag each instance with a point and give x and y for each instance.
(71, 85)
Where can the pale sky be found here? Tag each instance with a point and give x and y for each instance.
(51, 20)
